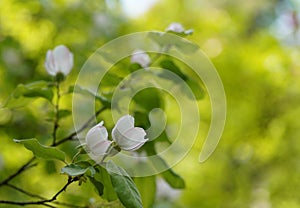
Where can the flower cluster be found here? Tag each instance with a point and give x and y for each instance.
(124, 136)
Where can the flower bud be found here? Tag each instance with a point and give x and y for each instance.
(175, 27)
(127, 136)
(59, 60)
(96, 141)
(141, 57)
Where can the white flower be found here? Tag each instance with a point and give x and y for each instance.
(141, 57)
(127, 136)
(97, 142)
(60, 60)
(175, 27)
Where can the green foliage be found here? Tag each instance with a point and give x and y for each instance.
(103, 177)
(124, 186)
(147, 189)
(255, 163)
(42, 151)
(78, 169)
(39, 89)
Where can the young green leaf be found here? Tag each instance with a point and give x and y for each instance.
(63, 113)
(173, 179)
(170, 65)
(103, 177)
(41, 151)
(77, 169)
(147, 189)
(34, 89)
(98, 185)
(124, 186)
(80, 90)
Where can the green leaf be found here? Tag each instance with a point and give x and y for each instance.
(170, 65)
(98, 186)
(23, 94)
(103, 177)
(173, 179)
(148, 99)
(80, 90)
(124, 186)
(147, 189)
(34, 89)
(63, 113)
(77, 169)
(168, 39)
(196, 88)
(41, 151)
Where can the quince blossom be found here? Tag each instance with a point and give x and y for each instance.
(141, 57)
(124, 135)
(59, 60)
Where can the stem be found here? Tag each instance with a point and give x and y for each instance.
(55, 127)
(25, 192)
(84, 126)
(44, 201)
(19, 171)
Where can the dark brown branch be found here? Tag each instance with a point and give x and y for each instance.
(24, 192)
(19, 171)
(87, 123)
(40, 197)
(44, 201)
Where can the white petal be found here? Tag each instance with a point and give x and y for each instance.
(96, 136)
(63, 59)
(141, 58)
(132, 139)
(175, 27)
(124, 124)
(50, 63)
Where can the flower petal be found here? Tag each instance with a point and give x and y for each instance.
(50, 63)
(63, 59)
(124, 124)
(141, 57)
(175, 27)
(96, 136)
(132, 139)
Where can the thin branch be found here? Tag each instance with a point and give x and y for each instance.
(56, 119)
(44, 201)
(40, 197)
(25, 192)
(19, 171)
(84, 126)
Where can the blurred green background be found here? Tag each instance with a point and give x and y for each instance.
(254, 46)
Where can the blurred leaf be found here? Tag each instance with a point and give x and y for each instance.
(167, 39)
(63, 113)
(198, 91)
(34, 89)
(77, 169)
(173, 179)
(38, 89)
(149, 99)
(83, 91)
(124, 186)
(103, 177)
(98, 185)
(41, 151)
(147, 189)
(110, 80)
(170, 65)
